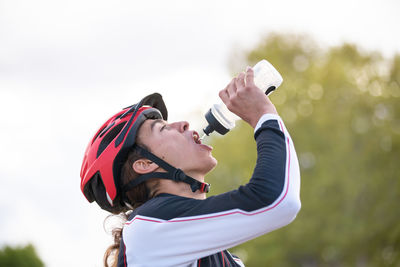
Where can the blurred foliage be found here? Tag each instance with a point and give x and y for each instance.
(341, 107)
(19, 257)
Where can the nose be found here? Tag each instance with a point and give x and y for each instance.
(181, 126)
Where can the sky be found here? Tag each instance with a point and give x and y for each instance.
(66, 66)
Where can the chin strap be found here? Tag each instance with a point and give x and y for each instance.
(172, 173)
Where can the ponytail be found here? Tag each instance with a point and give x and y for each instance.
(136, 197)
(112, 251)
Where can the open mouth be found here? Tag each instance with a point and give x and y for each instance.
(196, 137)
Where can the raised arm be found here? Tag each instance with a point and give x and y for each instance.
(270, 200)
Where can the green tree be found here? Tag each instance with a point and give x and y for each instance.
(20, 257)
(341, 106)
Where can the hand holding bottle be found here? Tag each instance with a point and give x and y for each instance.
(265, 78)
(243, 98)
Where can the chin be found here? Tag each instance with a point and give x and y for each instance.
(206, 165)
(212, 163)
(201, 164)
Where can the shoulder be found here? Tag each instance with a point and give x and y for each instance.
(165, 207)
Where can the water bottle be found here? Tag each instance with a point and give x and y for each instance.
(266, 77)
(221, 120)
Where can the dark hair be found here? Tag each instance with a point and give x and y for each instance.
(136, 197)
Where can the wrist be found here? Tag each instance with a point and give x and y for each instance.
(265, 117)
(270, 111)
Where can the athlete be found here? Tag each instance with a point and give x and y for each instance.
(153, 171)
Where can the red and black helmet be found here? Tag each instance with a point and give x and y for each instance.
(108, 149)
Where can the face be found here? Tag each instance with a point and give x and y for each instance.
(177, 145)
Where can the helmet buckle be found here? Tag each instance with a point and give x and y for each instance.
(178, 175)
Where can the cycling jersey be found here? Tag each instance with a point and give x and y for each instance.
(171, 230)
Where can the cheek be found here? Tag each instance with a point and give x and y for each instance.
(180, 156)
(170, 150)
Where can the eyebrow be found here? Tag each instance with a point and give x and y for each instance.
(153, 123)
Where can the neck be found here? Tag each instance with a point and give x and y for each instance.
(180, 188)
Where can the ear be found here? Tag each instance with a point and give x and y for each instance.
(143, 166)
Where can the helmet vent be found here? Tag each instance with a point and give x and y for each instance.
(130, 110)
(107, 139)
(106, 129)
(97, 134)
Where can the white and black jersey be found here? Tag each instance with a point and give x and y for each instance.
(171, 230)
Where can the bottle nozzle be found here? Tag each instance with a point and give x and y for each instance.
(209, 129)
(202, 137)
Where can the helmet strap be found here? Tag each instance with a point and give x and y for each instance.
(172, 173)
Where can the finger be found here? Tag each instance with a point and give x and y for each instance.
(224, 96)
(225, 89)
(231, 88)
(249, 77)
(240, 83)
